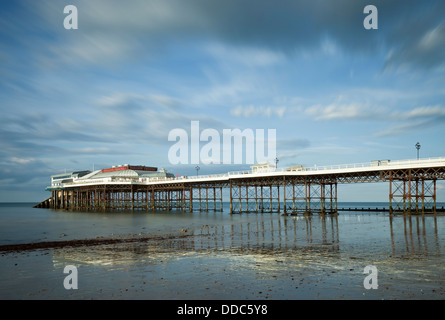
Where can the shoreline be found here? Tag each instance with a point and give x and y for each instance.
(74, 243)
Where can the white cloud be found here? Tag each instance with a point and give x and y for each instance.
(403, 128)
(424, 49)
(342, 111)
(165, 101)
(120, 99)
(145, 118)
(251, 111)
(329, 47)
(97, 49)
(433, 38)
(228, 93)
(116, 99)
(397, 121)
(425, 111)
(93, 150)
(22, 161)
(415, 120)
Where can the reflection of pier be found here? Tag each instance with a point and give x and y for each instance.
(415, 234)
(264, 236)
(412, 188)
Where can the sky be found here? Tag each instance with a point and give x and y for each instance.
(110, 91)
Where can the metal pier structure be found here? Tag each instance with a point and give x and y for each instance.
(264, 189)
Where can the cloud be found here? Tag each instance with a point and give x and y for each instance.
(404, 128)
(21, 146)
(425, 111)
(250, 111)
(112, 29)
(336, 111)
(92, 150)
(146, 118)
(166, 101)
(22, 161)
(424, 47)
(221, 93)
(252, 32)
(18, 171)
(398, 121)
(129, 100)
(290, 148)
(415, 120)
(246, 56)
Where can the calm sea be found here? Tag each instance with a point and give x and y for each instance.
(21, 223)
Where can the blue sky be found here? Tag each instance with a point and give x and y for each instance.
(110, 92)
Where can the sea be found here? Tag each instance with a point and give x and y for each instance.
(356, 255)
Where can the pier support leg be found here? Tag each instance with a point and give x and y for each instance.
(230, 198)
(412, 195)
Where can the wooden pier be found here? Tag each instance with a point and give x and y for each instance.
(412, 189)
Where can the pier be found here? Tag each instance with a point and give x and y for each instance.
(263, 189)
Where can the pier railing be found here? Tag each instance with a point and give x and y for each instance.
(370, 165)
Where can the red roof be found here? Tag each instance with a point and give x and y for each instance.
(128, 167)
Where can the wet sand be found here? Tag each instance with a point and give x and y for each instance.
(283, 258)
(22, 247)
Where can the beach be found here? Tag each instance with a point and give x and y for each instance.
(213, 256)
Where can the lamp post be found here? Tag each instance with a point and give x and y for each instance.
(418, 148)
(197, 170)
(276, 163)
